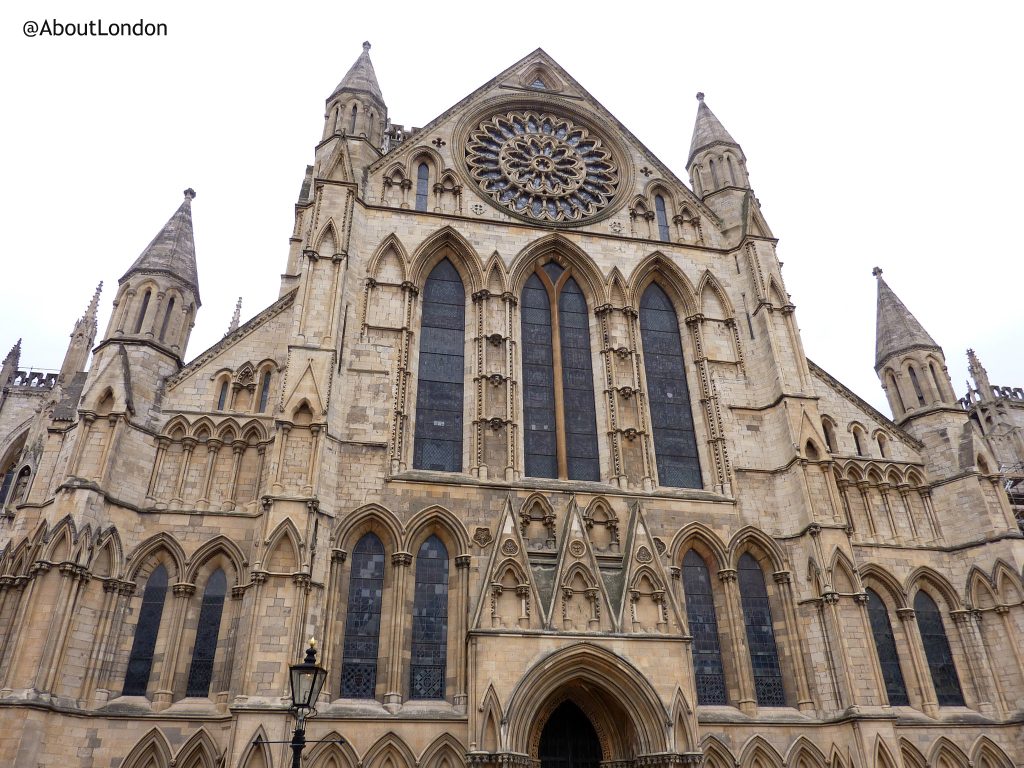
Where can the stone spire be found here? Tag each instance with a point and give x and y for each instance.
(172, 252)
(235, 317)
(10, 364)
(708, 130)
(360, 78)
(980, 376)
(896, 330)
(82, 337)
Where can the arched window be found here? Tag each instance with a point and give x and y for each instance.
(430, 622)
(142, 310)
(937, 651)
(422, 179)
(917, 385)
(935, 378)
(898, 398)
(858, 441)
(222, 397)
(757, 616)
(732, 171)
(700, 614)
(207, 632)
(659, 209)
(560, 421)
(264, 391)
(438, 441)
(5, 483)
(675, 444)
(830, 435)
(140, 661)
(355, 112)
(885, 646)
(362, 621)
(167, 318)
(882, 450)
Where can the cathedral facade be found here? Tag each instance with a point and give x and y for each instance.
(530, 444)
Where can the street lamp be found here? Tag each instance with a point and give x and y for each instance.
(307, 680)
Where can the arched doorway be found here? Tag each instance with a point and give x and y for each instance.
(569, 740)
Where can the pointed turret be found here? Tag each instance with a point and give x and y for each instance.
(82, 338)
(356, 108)
(980, 376)
(158, 296)
(909, 363)
(716, 160)
(10, 364)
(361, 77)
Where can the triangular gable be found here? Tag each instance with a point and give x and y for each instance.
(647, 604)
(116, 375)
(580, 601)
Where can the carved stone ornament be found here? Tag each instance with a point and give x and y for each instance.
(482, 536)
(542, 167)
(643, 555)
(509, 547)
(577, 548)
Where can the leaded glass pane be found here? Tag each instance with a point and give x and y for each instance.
(578, 385)
(538, 382)
(659, 208)
(885, 645)
(422, 177)
(438, 441)
(700, 613)
(937, 651)
(362, 619)
(757, 615)
(675, 443)
(207, 632)
(430, 622)
(140, 661)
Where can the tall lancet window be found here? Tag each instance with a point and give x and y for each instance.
(757, 615)
(430, 622)
(558, 378)
(675, 444)
(438, 443)
(936, 650)
(885, 646)
(422, 181)
(362, 621)
(662, 215)
(700, 614)
(207, 632)
(140, 661)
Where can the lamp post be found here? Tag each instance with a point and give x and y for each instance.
(307, 680)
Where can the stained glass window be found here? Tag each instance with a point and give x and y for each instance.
(438, 442)
(675, 444)
(659, 209)
(264, 391)
(700, 613)
(422, 177)
(937, 651)
(207, 633)
(885, 645)
(222, 397)
(362, 620)
(430, 622)
(167, 318)
(142, 311)
(757, 615)
(538, 382)
(541, 327)
(140, 661)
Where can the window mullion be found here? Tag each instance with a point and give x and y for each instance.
(556, 370)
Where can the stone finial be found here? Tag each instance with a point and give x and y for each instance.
(235, 317)
(14, 354)
(366, 45)
(876, 272)
(190, 194)
(700, 95)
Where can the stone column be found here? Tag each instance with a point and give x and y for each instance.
(930, 701)
(158, 464)
(738, 634)
(462, 563)
(393, 698)
(164, 695)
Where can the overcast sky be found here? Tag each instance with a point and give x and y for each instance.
(875, 134)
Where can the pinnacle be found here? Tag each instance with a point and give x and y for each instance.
(707, 129)
(235, 317)
(896, 329)
(172, 251)
(361, 77)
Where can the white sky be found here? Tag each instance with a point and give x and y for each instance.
(875, 134)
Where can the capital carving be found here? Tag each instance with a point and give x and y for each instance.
(401, 559)
(727, 575)
(183, 590)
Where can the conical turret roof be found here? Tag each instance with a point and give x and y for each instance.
(707, 130)
(173, 251)
(896, 329)
(361, 77)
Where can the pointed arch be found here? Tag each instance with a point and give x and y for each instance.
(257, 753)
(219, 545)
(759, 753)
(333, 751)
(980, 590)
(495, 275)
(160, 544)
(776, 295)
(283, 549)
(389, 747)
(177, 428)
(490, 730)
(758, 543)
(803, 753)
(924, 576)
(369, 517)
(584, 269)
(447, 242)
(328, 236)
(713, 297)
(444, 746)
(390, 246)
(151, 751)
(60, 541)
(912, 757)
(203, 428)
(697, 535)
(873, 573)
(842, 567)
(716, 754)
(884, 757)
(437, 519)
(618, 290)
(1007, 583)
(200, 751)
(660, 269)
(682, 723)
(945, 754)
(985, 753)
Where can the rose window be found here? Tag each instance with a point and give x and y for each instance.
(542, 166)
